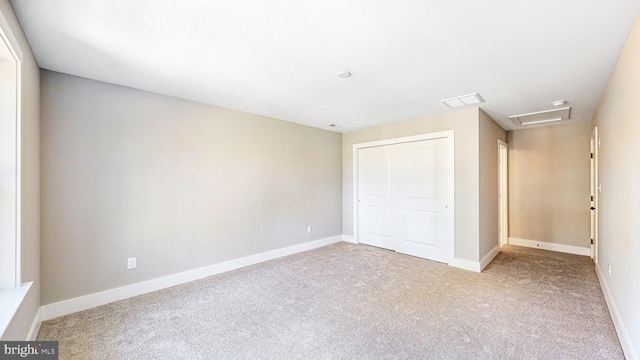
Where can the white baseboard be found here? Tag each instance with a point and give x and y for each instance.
(475, 266)
(465, 264)
(569, 249)
(487, 259)
(349, 239)
(35, 326)
(623, 335)
(70, 306)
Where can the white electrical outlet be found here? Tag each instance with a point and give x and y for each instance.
(309, 229)
(609, 269)
(131, 263)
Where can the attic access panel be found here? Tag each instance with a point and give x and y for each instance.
(541, 117)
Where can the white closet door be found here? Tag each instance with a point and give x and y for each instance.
(402, 197)
(374, 207)
(419, 226)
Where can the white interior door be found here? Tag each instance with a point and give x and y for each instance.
(503, 193)
(419, 199)
(374, 194)
(595, 187)
(403, 198)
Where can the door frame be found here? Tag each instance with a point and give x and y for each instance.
(503, 194)
(450, 206)
(595, 190)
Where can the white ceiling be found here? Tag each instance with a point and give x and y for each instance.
(280, 58)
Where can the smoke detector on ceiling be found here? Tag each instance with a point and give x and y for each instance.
(463, 100)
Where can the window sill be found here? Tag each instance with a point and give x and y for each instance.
(10, 301)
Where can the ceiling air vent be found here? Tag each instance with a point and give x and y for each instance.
(463, 100)
(541, 117)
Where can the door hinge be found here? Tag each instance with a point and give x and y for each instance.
(591, 241)
(592, 155)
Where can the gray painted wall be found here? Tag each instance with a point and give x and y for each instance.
(30, 227)
(549, 171)
(465, 125)
(617, 118)
(489, 133)
(177, 184)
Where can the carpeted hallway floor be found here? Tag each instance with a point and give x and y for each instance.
(348, 301)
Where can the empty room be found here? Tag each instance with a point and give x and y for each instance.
(423, 179)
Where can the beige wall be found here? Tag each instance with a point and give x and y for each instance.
(177, 184)
(489, 133)
(549, 170)
(465, 125)
(618, 121)
(30, 227)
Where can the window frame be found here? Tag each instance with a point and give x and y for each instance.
(7, 37)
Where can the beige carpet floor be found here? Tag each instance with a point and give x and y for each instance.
(348, 301)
